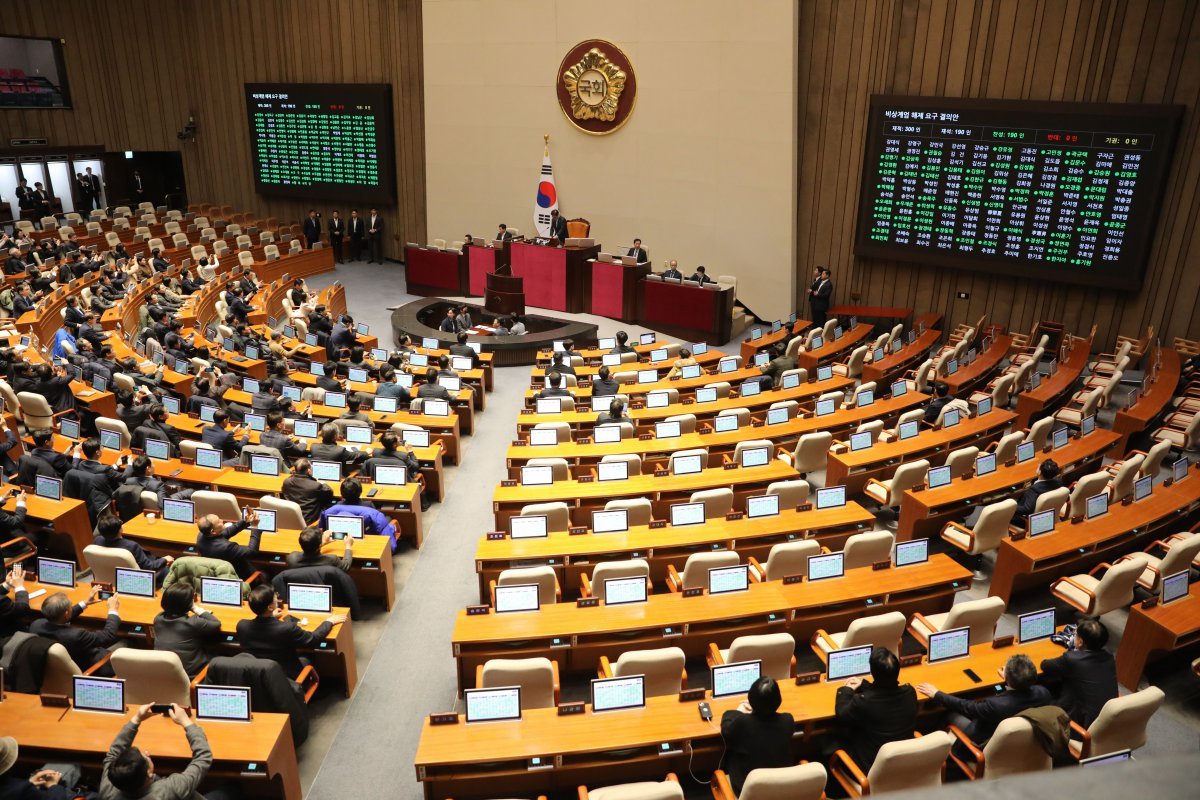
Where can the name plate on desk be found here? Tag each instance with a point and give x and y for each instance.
(478, 611)
(1150, 602)
(804, 507)
(645, 437)
(694, 592)
(734, 516)
(1000, 642)
(496, 536)
(448, 718)
(577, 530)
(55, 701)
(567, 709)
(187, 462)
(586, 478)
(518, 442)
(587, 602)
(788, 580)
(660, 473)
(691, 695)
(731, 465)
(878, 565)
(655, 524)
(1017, 536)
(689, 401)
(584, 440)
(757, 424)
(808, 677)
(527, 411)
(508, 483)
(911, 661)
(241, 468)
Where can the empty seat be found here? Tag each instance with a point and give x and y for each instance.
(558, 514)
(867, 548)
(544, 577)
(717, 502)
(1097, 596)
(785, 559)
(801, 782)
(612, 570)
(1121, 725)
(980, 616)
(879, 630)
(537, 677)
(664, 669)
(695, 569)
(918, 763)
(777, 651)
(1013, 749)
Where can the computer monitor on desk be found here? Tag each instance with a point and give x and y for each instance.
(736, 678)
(493, 705)
(849, 662)
(951, 644)
(517, 597)
(615, 694)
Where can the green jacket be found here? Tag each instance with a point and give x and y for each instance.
(193, 568)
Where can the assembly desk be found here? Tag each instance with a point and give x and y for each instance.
(1075, 547)
(573, 556)
(68, 516)
(1054, 389)
(834, 349)
(557, 278)
(1154, 402)
(892, 365)
(1153, 632)
(584, 497)
(684, 311)
(576, 637)
(688, 385)
(970, 377)
(258, 755)
(769, 338)
(922, 513)
(333, 657)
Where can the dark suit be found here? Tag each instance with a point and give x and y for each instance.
(312, 231)
(24, 197)
(13, 610)
(222, 439)
(238, 555)
(934, 407)
(357, 229)
(986, 714)
(84, 646)
(310, 494)
(504, 237)
(1088, 680)
(1029, 499)
(375, 240)
(188, 637)
(337, 231)
(558, 229)
(144, 560)
(874, 716)
(94, 483)
(673, 274)
(603, 388)
(151, 429)
(278, 640)
(819, 301)
(753, 741)
(342, 336)
(93, 184)
(639, 253)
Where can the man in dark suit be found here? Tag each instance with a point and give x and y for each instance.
(84, 646)
(941, 399)
(757, 735)
(312, 541)
(375, 236)
(1086, 675)
(357, 231)
(304, 490)
(94, 188)
(219, 436)
(819, 296)
(14, 602)
(1020, 692)
(139, 188)
(554, 387)
(273, 636)
(603, 385)
(875, 712)
(109, 534)
(24, 196)
(672, 271)
(1048, 480)
(213, 541)
(622, 343)
(274, 436)
(41, 200)
(91, 481)
(178, 630)
(780, 363)
(43, 448)
(337, 231)
(558, 227)
(461, 348)
(701, 277)
(312, 228)
(431, 388)
(156, 427)
(637, 252)
(328, 449)
(502, 235)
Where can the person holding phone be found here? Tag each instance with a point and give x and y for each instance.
(311, 554)
(86, 647)
(129, 772)
(214, 540)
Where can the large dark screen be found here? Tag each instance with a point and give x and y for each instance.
(1055, 191)
(32, 74)
(322, 140)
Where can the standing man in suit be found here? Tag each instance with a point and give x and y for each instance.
(337, 230)
(558, 226)
(1086, 674)
(358, 232)
(139, 188)
(41, 200)
(375, 236)
(819, 296)
(875, 712)
(502, 235)
(24, 196)
(312, 228)
(637, 252)
(94, 187)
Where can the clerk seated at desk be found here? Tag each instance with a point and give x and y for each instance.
(941, 399)
(518, 326)
(276, 637)
(448, 325)
(503, 234)
(672, 271)
(554, 387)
(701, 277)
(503, 326)
(637, 252)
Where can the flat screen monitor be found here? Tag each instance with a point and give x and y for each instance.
(306, 428)
(110, 440)
(612, 521)
(860, 441)
(537, 475)
(735, 678)
(533, 526)
(938, 477)
(1060, 438)
(1026, 451)
(601, 402)
(622, 591)
(612, 470)
(1042, 522)
(1179, 469)
(826, 407)
(1087, 425)
(171, 404)
(667, 430)
(706, 395)
(517, 597)
(391, 475)
(249, 385)
(863, 398)
(983, 406)
(1142, 487)
(316, 598)
(359, 375)
(461, 363)
(1035, 625)
(325, 470)
(828, 565)
(825, 372)
(266, 520)
(817, 343)
(1097, 505)
(831, 497)
(985, 464)
(158, 449)
(363, 329)
(221, 592)
(265, 465)
(322, 141)
(223, 703)
(790, 381)
(762, 359)
(722, 580)
(947, 645)
(415, 437)
(207, 412)
(658, 355)
(610, 359)
(687, 514)
(645, 376)
(777, 416)
(647, 338)
(56, 572)
(335, 399)
(899, 388)
(952, 366)
(606, 434)
(909, 429)
(848, 662)
(452, 382)
(878, 354)
(256, 422)
(98, 694)
(493, 705)
(345, 524)
(208, 458)
(134, 582)
(615, 694)
(755, 456)
(699, 348)
(689, 371)
(750, 388)
(727, 365)
(607, 343)
(1174, 586)
(379, 354)
(48, 488)
(658, 399)
(359, 434)
(543, 437)
(914, 551)
(766, 505)
(68, 428)
(687, 465)
(723, 423)
(435, 408)
(950, 418)
(1118, 757)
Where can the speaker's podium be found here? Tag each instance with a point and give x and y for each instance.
(615, 282)
(559, 277)
(504, 294)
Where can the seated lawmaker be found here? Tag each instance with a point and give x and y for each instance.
(622, 343)
(304, 490)
(276, 637)
(1085, 675)
(44, 784)
(701, 277)
(685, 360)
(185, 628)
(603, 385)
(1048, 480)
(374, 521)
(328, 449)
(672, 270)
(109, 534)
(615, 413)
(461, 348)
(875, 712)
(447, 325)
(312, 542)
(780, 363)
(554, 387)
(941, 399)
(756, 734)
(431, 388)
(390, 386)
(213, 540)
(86, 647)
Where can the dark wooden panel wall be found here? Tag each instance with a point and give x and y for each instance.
(1114, 51)
(138, 70)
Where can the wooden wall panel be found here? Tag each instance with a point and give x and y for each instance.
(137, 72)
(1111, 51)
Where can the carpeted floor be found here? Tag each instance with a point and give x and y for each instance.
(365, 746)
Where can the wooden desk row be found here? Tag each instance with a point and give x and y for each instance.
(979, 371)
(576, 637)
(1155, 402)
(1156, 632)
(893, 365)
(1053, 390)
(769, 338)
(834, 349)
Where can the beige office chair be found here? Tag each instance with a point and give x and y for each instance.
(695, 569)
(697, 451)
(561, 429)
(721, 388)
(879, 630)
(1055, 498)
(792, 406)
(1039, 432)
(918, 763)
(962, 461)
(639, 510)
(1013, 749)
(1073, 417)
(687, 422)
(288, 516)
(1126, 475)
(799, 371)
(1186, 439)
(963, 408)
(104, 561)
(742, 414)
(1121, 725)
(990, 528)
(852, 366)
(810, 455)
(1178, 553)
(537, 677)
(549, 591)
(1087, 486)
(188, 448)
(919, 379)
(717, 502)
(110, 424)
(664, 669)
(1006, 448)
(888, 493)
(558, 514)
(867, 548)
(777, 651)
(668, 789)
(785, 559)
(791, 493)
(632, 459)
(1106, 363)
(560, 470)
(36, 412)
(1096, 596)
(223, 504)
(802, 782)
(60, 672)
(612, 570)
(750, 444)
(151, 676)
(981, 616)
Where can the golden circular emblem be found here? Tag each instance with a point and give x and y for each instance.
(597, 89)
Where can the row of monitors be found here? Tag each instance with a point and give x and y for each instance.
(721, 580)
(213, 703)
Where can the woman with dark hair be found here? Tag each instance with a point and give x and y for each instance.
(756, 734)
